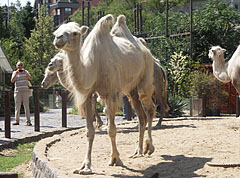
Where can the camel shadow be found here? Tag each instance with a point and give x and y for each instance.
(135, 128)
(175, 167)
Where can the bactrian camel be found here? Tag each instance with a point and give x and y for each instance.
(54, 72)
(110, 66)
(226, 71)
(120, 29)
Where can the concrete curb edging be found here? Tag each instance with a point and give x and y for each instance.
(40, 167)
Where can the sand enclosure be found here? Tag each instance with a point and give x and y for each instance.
(182, 149)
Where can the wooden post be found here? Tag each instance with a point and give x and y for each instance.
(204, 104)
(7, 114)
(64, 109)
(237, 106)
(36, 108)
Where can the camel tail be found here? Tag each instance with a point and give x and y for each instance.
(165, 90)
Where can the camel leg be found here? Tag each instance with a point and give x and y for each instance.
(111, 108)
(90, 133)
(142, 119)
(96, 116)
(149, 109)
(162, 109)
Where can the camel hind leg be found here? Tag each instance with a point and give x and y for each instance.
(111, 107)
(90, 133)
(150, 112)
(142, 119)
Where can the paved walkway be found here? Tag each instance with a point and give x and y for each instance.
(50, 124)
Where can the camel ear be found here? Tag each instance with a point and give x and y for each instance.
(83, 29)
(221, 51)
(211, 53)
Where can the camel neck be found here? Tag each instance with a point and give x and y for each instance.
(220, 70)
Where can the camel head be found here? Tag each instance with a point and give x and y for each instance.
(56, 63)
(68, 36)
(216, 53)
(49, 79)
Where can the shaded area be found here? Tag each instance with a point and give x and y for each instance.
(178, 166)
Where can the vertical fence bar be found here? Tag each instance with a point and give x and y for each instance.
(166, 30)
(204, 104)
(135, 18)
(83, 12)
(140, 16)
(7, 114)
(64, 108)
(191, 29)
(36, 108)
(237, 106)
(88, 14)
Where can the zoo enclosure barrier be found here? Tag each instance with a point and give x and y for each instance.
(7, 110)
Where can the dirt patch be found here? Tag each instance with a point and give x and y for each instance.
(182, 149)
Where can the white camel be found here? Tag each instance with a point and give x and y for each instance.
(120, 29)
(110, 66)
(226, 71)
(54, 72)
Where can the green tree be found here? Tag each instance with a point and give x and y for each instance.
(215, 25)
(38, 49)
(28, 19)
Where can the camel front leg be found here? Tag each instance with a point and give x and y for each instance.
(112, 131)
(150, 111)
(90, 133)
(142, 120)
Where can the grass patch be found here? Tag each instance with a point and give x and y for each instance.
(10, 158)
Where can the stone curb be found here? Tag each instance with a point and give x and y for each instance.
(12, 143)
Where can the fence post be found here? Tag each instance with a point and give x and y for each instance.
(36, 108)
(64, 108)
(7, 114)
(237, 106)
(204, 104)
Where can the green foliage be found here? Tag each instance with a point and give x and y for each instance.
(12, 158)
(177, 106)
(205, 82)
(214, 25)
(38, 49)
(179, 69)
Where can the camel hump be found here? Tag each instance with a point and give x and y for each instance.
(121, 19)
(106, 19)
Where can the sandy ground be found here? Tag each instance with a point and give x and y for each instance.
(182, 149)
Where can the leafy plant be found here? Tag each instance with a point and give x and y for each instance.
(177, 106)
(205, 82)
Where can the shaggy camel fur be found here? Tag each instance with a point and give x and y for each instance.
(226, 71)
(120, 29)
(110, 66)
(54, 72)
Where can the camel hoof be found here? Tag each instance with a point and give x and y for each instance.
(85, 171)
(136, 155)
(149, 148)
(115, 162)
(99, 125)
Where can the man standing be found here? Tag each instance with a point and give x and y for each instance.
(21, 92)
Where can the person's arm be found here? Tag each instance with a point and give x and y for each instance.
(28, 75)
(13, 79)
